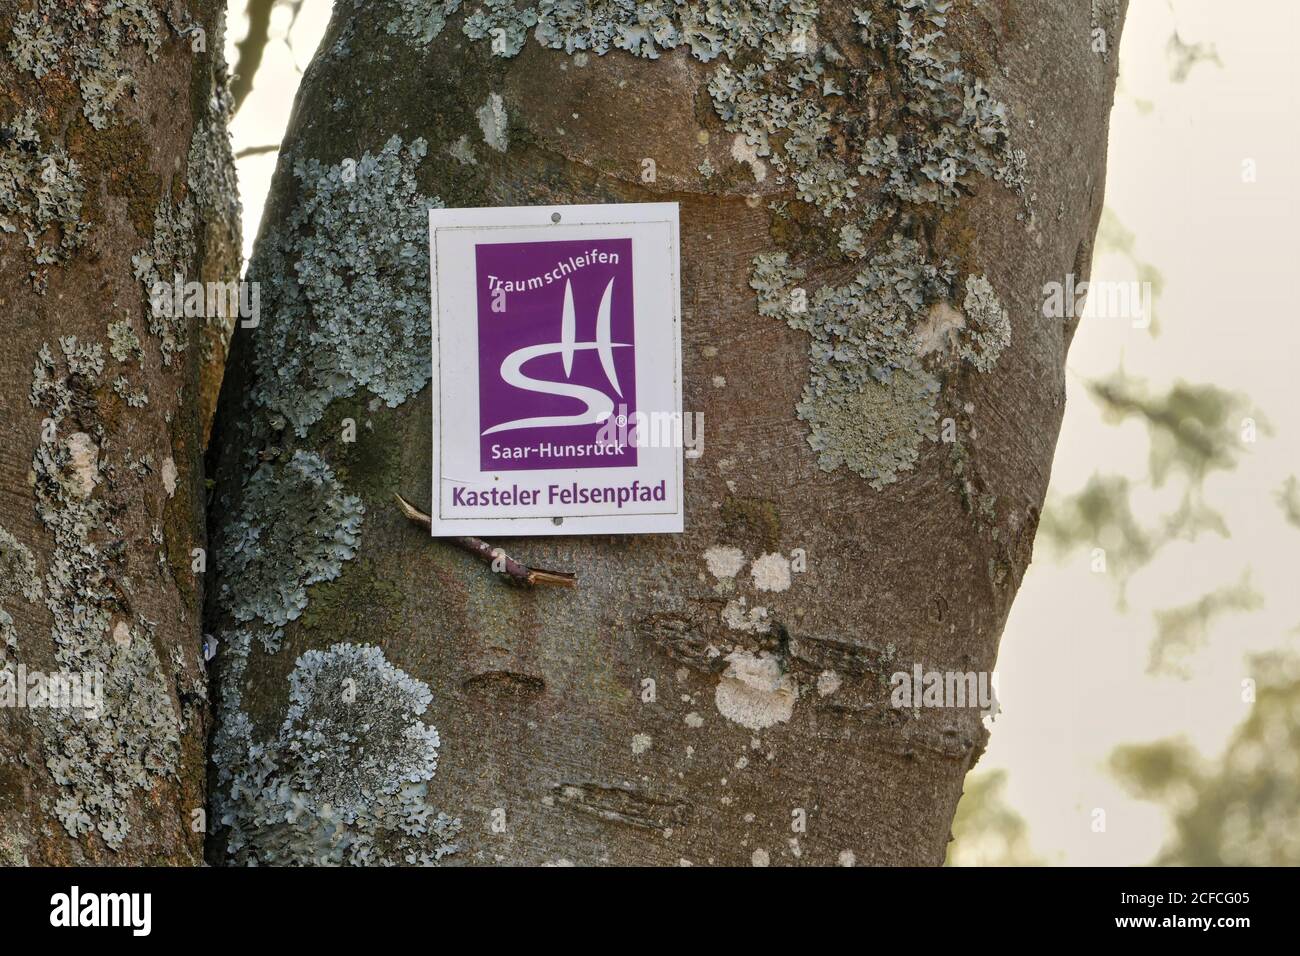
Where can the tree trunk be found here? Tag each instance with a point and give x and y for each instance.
(871, 203)
(115, 171)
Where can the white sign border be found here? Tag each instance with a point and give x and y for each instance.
(575, 215)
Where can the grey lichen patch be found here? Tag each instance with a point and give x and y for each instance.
(419, 21)
(708, 30)
(875, 430)
(463, 152)
(940, 127)
(938, 331)
(211, 202)
(98, 756)
(133, 398)
(500, 22)
(169, 254)
(54, 380)
(13, 848)
(771, 572)
(339, 694)
(94, 44)
(296, 528)
(776, 29)
(783, 90)
(345, 780)
(41, 192)
(18, 578)
(8, 640)
(977, 333)
(213, 187)
(988, 329)
(868, 400)
(950, 126)
(494, 123)
(754, 691)
(123, 344)
(724, 562)
(345, 287)
(18, 575)
(101, 757)
(79, 473)
(739, 616)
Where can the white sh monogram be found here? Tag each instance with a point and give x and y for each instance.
(599, 405)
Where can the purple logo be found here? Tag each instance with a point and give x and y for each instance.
(555, 354)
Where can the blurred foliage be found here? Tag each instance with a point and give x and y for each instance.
(1244, 809)
(986, 831)
(1100, 516)
(1183, 56)
(1193, 430)
(1113, 238)
(1288, 499)
(1181, 631)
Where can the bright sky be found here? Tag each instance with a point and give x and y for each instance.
(262, 119)
(1072, 671)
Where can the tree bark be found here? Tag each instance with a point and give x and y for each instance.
(115, 170)
(870, 208)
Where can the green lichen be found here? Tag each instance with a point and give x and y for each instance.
(368, 463)
(988, 329)
(346, 287)
(345, 605)
(116, 162)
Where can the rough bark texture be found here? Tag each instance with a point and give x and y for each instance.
(114, 168)
(870, 207)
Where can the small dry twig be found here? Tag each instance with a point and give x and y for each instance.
(513, 569)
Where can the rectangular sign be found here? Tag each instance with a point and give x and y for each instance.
(556, 370)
